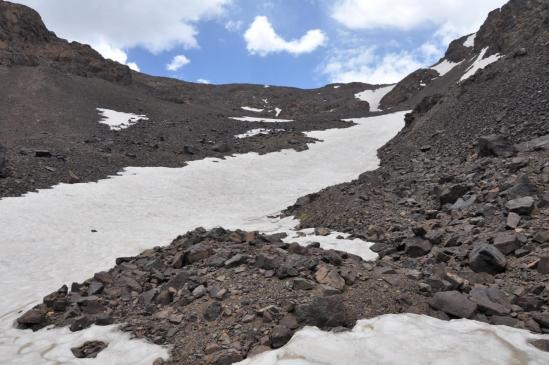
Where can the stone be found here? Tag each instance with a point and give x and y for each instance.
(522, 206)
(89, 350)
(33, 318)
(323, 312)
(42, 153)
(450, 194)
(213, 311)
(495, 145)
(543, 265)
(267, 262)
(199, 291)
(541, 237)
(226, 357)
(491, 301)
(302, 284)
(522, 187)
(95, 287)
(542, 319)
(235, 261)
(487, 258)
(329, 277)
(507, 242)
(322, 231)
(280, 336)
(189, 149)
(258, 350)
(417, 246)
(211, 348)
(221, 147)
(453, 303)
(513, 220)
(73, 178)
(290, 321)
(197, 253)
(81, 323)
(541, 344)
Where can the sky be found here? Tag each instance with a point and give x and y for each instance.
(301, 43)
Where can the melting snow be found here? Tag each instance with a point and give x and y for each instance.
(480, 63)
(259, 119)
(444, 67)
(373, 97)
(255, 132)
(410, 339)
(47, 239)
(118, 120)
(470, 41)
(277, 111)
(256, 110)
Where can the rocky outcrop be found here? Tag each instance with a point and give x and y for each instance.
(25, 41)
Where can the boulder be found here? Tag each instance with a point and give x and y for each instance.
(280, 336)
(492, 301)
(330, 277)
(522, 206)
(507, 242)
(213, 311)
(543, 265)
(417, 246)
(89, 350)
(226, 357)
(495, 145)
(513, 220)
(542, 236)
(450, 194)
(522, 187)
(453, 303)
(197, 252)
(487, 258)
(323, 312)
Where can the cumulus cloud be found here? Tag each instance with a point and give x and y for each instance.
(177, 62)
(157, 25)
(453, 18)
(370, 65)
(115, 54)
(261, 39)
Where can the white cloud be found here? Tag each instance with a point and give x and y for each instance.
(261, 39)
(157, 25)
(115, 54)
(177, 62)
(203, 81)
(365, 65)
(453, 18)
(234, 25)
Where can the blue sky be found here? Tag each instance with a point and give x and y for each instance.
(302, 43)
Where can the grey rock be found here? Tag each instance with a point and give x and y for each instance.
(226, 357)
(541, 237)
(450, 194)
(495, 145)
(491, 301)
(89, 350)
(280, 336)
(522, 206)
(417, 246)
(522, 187)
(513, 220)
(213, 311)
(507, 242)
(487, 258)
(323, 312)
(453, 303)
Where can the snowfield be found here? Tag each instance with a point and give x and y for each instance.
(118, 120)
(47, 241)
(259, 119)
(373, 97)
(408, 339)
(444, 67)
(480, 63)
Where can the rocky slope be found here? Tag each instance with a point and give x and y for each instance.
(462, 192)
(51, 89)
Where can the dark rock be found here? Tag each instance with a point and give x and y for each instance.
(542, 319)
(235, 260)
(522, 206)
(513, 220)
(487, 258)
(221, 147)
(95, 287)
(542, 345)
(226, 357)
(197, 252)
(523, 187)
(520, 52)
(213, 311)
(42, 153)
(91, 306)
(302, 284)
(267, 262)
(323, 312)
(543, 265)
(491, 301)
(89, 350)
(495, 145)
(280, 336)
(81, 323)
(450, 194)
(34, 318)
(507, 242)
(529, 303)
(541, 237)
(189, 149)
(453, 303)
(417, 247)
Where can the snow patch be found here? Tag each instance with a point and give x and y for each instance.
(147, 206)
(250, 109)
(119, 120)
(410, 339)
(337, 86)
(445, 66)
(258, 131)
(373, 97)
(277, 111)
(480, 63)
(259, 119)
(470, 41)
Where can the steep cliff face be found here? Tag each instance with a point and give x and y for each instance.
(25, 41)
